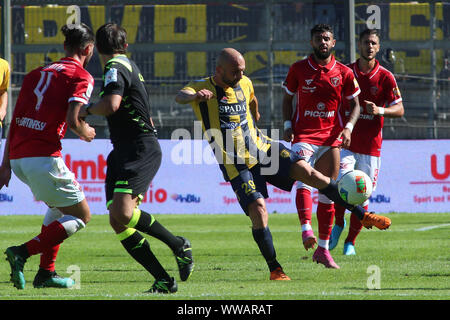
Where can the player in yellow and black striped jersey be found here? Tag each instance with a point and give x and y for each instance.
(226, 105)
(227, 119)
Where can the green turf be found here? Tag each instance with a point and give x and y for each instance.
(413, 264)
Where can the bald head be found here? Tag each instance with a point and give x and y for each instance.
(230, 67)
(227, 56)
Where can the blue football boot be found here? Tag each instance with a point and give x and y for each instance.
(335, 234)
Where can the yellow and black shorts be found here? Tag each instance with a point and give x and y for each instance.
(251, 184)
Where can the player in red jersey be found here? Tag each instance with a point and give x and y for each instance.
(316, 130)
(49, 101)
(380, 97)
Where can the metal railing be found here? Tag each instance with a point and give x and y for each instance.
(174, 42)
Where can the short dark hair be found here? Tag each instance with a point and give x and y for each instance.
(321, 27)
(110, 39)
(77, 36)
(368, 32)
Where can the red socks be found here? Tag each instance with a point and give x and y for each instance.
(50, 236)
(355, 228)
(339, 214)
(48, 256)
(303, 202)
(325, 216)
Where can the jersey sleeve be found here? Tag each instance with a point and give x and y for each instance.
(290, 84)
(393, 95)
(351, 86)
(250, 87)
(81, 88)
(114, 80)
(195, 85)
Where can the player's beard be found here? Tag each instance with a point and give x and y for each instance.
(321, 55)
(230, 83)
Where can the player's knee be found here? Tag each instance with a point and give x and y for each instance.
(120, 213)
(71, 224)
(304, 173)
(115, 225)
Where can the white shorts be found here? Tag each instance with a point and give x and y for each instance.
(311, 153)
(366, 163)
(49, 179)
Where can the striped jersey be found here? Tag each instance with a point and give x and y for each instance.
(228, 125)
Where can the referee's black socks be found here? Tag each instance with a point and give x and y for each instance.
(138, 247)
(146, 223)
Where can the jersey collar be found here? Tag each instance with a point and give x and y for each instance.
(370, 74)
(72, 60)
(314, 65)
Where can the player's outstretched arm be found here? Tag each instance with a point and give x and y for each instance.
(186, 96)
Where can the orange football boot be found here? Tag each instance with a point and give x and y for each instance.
(278, 274)
(371, 219)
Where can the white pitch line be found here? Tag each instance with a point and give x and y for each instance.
(433, 227)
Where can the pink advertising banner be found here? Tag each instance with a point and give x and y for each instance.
(414, 177)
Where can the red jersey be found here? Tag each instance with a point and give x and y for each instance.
(380, 87)
(39, 118)
(320, 91)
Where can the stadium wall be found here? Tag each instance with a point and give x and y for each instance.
(414, 177)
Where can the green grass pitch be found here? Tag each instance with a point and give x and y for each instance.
(412, 260)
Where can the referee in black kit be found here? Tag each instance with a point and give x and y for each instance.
(134, 160)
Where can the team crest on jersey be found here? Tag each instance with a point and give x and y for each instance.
(284, 153)
(374, 90)
(240, 95)
(335, 81)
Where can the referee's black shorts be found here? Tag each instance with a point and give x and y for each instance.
(131, 167)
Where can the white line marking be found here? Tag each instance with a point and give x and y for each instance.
(433, 227)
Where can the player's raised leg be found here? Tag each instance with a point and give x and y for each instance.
(304, 172)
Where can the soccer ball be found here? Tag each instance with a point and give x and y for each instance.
(355, 187)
